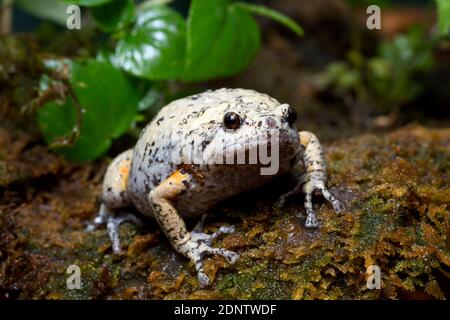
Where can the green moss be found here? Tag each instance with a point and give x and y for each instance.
(371, 225)
(257, 282)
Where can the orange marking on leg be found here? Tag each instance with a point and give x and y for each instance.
(173, 185)
(124, 169)
(305, 137)
(178, 177)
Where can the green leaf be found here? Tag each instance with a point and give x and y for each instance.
(113, 15)
(52, 10)
(155, 47)
(56, 120)
(443, 16)
(88, 3)
(109, 102)
(146, 4)
(222, 39)
(272, 14)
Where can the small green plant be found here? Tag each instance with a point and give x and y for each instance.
(151, 43)
(389, 79)
(392, 77)
(442, 10)
(443, 16)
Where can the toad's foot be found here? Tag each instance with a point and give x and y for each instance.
(196, 250)
(101, 218)
(197, 234)
(208, 238)
(113, 221)
(113, 228)
(203, 242)
(308, 188)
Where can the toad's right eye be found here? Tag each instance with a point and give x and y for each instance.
(232, 120)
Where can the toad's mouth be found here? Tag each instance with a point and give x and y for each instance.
(255, 150)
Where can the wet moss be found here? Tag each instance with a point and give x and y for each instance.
(257, 282)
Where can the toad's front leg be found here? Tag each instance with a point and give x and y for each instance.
(311, 155)
(174, 227)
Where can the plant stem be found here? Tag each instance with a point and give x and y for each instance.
(6, 17)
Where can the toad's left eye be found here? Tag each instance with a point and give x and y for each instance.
(291, 115)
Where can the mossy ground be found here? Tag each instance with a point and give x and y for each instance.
(395, 186)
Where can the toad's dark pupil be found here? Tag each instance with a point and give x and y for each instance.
(291, 116)
(232, 120)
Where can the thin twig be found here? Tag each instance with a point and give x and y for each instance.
(6, 18)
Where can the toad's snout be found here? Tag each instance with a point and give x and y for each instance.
(271, 123)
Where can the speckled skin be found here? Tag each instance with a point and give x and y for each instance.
(154, 176)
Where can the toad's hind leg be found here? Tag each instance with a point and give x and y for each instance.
(114, 197)
(114, 190)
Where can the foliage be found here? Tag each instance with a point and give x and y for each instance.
(52, 10)
(155, 47)
(443, 15)
(152, 42)
(109, 103)
(221, 39)
(442, 10)
(389, 79)
(114, 15)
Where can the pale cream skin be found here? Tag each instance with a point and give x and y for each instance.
(152, 177)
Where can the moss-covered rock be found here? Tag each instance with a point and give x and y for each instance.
(395, 186)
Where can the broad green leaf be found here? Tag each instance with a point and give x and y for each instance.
(443, 16)
(109, 102)
(155, 47)
(113, 15)
(57, 120)
(52, 10)
(222, 39)
(272, 14)
(88, 3)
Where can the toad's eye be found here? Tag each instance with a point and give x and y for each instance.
(291, 116)
(232, 120)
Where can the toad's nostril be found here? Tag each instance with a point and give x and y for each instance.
(270, 123)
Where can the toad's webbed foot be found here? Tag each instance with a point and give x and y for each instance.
(209, 238)
(198, 234)
(308, 188)
(311, 185)
(113, 221)
(200, 246)
(196, 249)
